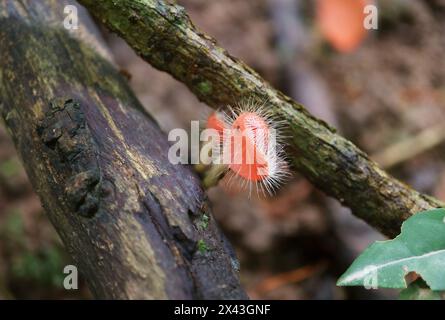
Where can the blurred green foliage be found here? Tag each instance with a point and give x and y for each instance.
(42, 266)
(10, 167)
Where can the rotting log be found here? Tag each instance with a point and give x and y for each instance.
(136, 225)
(163, 35)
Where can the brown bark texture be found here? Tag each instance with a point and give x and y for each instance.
(163, 35)
(136, 225)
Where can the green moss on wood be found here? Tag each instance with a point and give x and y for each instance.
(99, 163)
(164, 36)
(202, 246)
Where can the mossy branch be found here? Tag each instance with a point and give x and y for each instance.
(164, 36)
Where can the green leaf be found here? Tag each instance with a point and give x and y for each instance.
(419, 248)
(418, 290)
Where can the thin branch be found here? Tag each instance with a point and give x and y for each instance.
(411, 147)
(164, 36)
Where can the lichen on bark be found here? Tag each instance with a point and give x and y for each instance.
(99, 163)
(163, 35)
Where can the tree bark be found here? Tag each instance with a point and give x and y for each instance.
(136, 225)
(164, 36)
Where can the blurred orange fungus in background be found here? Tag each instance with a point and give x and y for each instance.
(341, 22)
